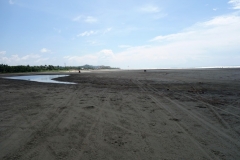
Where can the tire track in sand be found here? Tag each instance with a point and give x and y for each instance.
(86, 140)
(234, 143)
(202, 119)
(146, 89)
(37, 140)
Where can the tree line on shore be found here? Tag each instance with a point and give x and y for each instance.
(4, 68)
(15, 69)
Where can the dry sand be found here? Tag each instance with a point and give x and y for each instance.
(160, 114)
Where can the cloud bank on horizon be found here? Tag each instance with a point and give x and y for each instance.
(122, 34)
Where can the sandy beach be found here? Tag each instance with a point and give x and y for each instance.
(125, 114)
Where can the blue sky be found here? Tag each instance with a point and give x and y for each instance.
(126, 33)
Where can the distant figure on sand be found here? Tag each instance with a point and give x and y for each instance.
(79, 71)
(145, 70)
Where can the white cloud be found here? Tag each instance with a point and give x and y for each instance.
(100, 58)
(2, 52)
(31, 59)
(45, 50)
(172, 36)
(153, 10)
(57, 30)
(207, 42)
(150, 9)
(226, 27)
(78, 18)
(87, 33)
(87, 19)
(30, 56)
(124, 46)
(215, 9)
(235, 3)
(41, 60)
(210, 43)
(106, 53)
(93, 42)
(81, 60)
(11, 2)
(107, 30)
(90, 19)
(221, 21)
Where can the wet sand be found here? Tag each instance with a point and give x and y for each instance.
(160, 114)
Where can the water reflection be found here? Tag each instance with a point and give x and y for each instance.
(41, 78)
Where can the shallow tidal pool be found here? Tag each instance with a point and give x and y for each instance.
(41, 78)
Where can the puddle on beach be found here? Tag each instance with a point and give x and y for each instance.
(41, 78)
